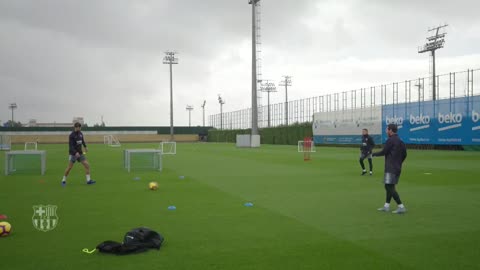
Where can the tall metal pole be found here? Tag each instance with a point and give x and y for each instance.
(171, 104)
(286, 105)
(287, 81)
(434, 81)
(254, 69)
(203, 109)
(434, 42)
(268, 86)
(170, 60)
(12, 106)
(221, 102)
(189, 109)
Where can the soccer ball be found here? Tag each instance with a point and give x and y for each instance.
(153, 185)
(5, 228)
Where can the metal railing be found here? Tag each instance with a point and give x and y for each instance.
(448, 86)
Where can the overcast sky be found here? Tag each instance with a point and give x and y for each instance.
(88, 58)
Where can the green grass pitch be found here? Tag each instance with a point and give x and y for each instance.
(306, 215)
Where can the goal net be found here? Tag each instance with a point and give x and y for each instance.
(142, 159)
(111, 140)
(31, 146)
(5, 142)
(168, 148)
(25, 162)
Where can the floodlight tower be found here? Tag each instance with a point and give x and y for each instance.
(286, 81)
(221, 102)
(12, 106)
(268, 86)
(434, 43)
(170, 60)
(203, 109)
(189, 109)
(254, 67)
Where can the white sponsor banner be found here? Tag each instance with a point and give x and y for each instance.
(348, 122)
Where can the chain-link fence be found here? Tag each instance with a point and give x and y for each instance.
(448, 86)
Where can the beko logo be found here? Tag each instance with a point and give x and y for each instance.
(421, 121)
(454, 120)
(450, 118)
(394, 120)
(475, 116)
(475, 119)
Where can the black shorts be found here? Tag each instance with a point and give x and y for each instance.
(364, 155)
(390, 178)
(73, 159)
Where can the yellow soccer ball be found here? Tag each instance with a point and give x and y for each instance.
(153, 185)
(5, 228)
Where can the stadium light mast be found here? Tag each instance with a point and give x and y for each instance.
(254, 68)
(203, 109)
(221, 102)
(268, 87)
(286, 81)
(170, 60)
(434, 42)
(189, 109)
(12, 106)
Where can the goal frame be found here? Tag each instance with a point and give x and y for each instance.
(111, 141)
(35, 144)
(171, 152)
(5, 142)
(10, 155)
(127, 157)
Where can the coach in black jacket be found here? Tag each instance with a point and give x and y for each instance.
(395, 153)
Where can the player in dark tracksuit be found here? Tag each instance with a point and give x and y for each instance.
(76, 154)
(395, 153)
(366, 151)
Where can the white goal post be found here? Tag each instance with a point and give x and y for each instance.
(306, 148)
(142, 159)
(25, 161)
(111, 140)
(31, 146)
(5, 142)
(168, 148)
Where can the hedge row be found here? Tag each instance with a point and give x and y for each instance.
(276, 135)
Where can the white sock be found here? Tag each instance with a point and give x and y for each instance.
(387, 205)
(401, 205)
(364, 170)
(88, 177)
(64, 178)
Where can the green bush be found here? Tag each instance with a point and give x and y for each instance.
(275, 135)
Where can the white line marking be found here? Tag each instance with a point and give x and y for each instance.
(419, 128)
(450, 127)
(475, 128)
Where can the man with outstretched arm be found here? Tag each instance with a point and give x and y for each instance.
(395, 153)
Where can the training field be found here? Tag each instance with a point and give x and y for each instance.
(306, 215)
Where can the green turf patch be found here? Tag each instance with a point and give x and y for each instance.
(319, 214)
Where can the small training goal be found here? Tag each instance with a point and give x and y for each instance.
(306, 147)
(168, 148)
(111, 140)
(5, 142)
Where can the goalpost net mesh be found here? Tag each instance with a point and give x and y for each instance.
(168, 148)
(19, 163)
(142, 160)
(5, 142)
